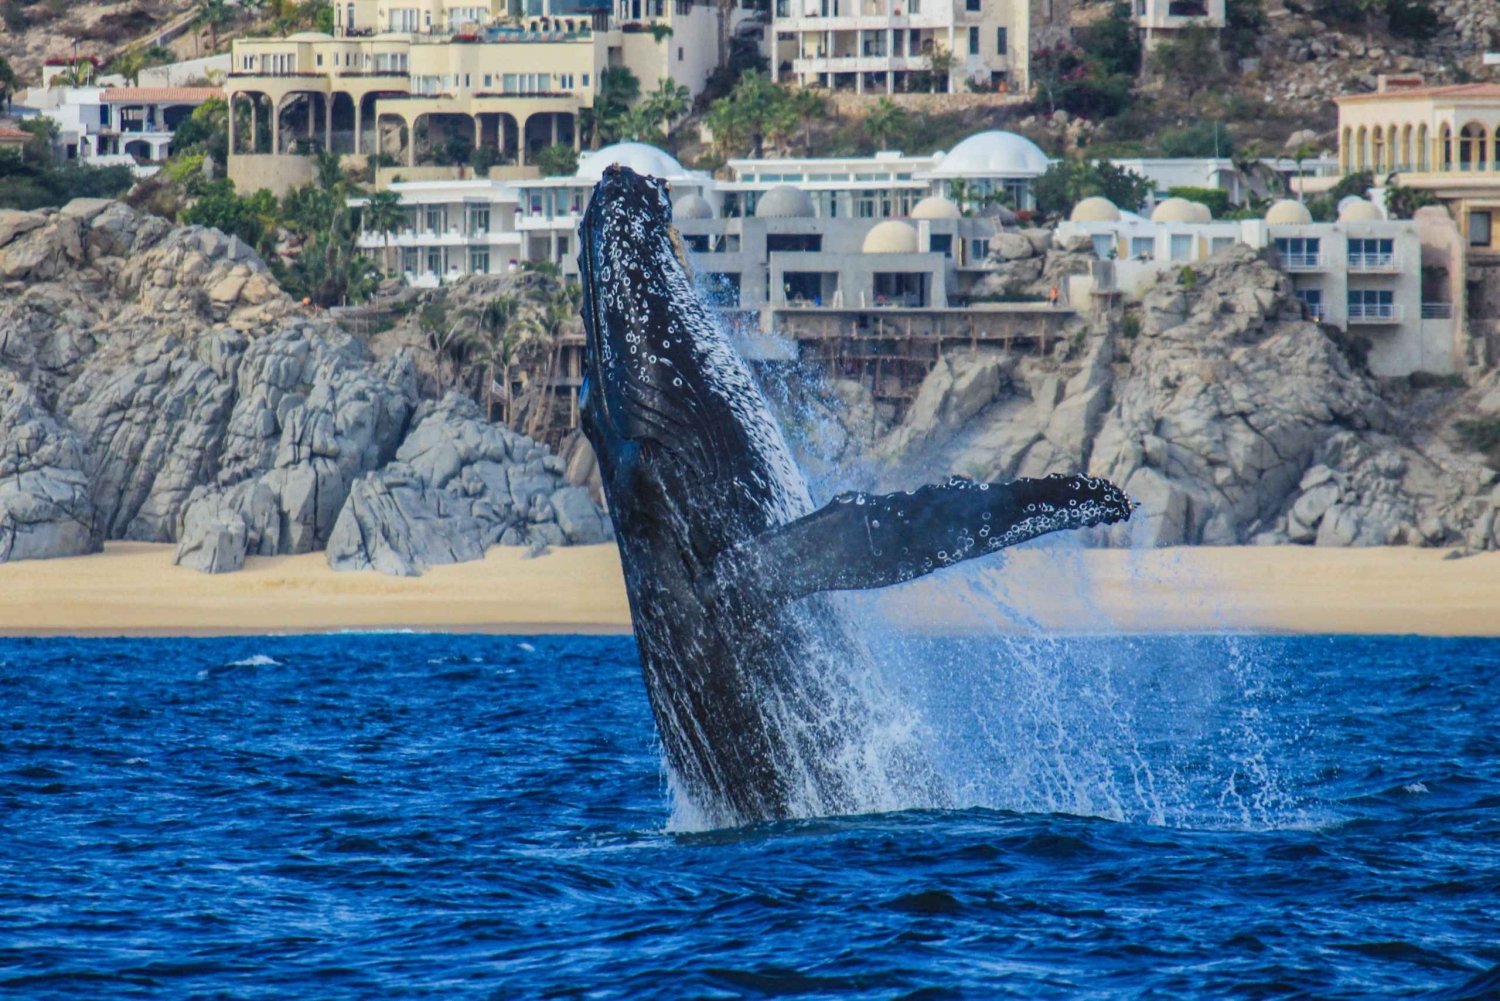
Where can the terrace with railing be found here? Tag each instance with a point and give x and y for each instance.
(1375, 312)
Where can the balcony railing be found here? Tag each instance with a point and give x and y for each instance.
(1437, 310)
(1303, 262)
(1316, 311)
(1373, 262)
(1374, 312)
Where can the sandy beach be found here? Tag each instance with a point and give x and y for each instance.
(133, 589)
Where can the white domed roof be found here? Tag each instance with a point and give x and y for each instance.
(1359, 210)
(1201, 212)
(993, 154)
(1175, 210)
(891, 237)
(639, 157)
(1288, 213)
(1095, 209)
(785, 202)
(692, 206)
(936, 207)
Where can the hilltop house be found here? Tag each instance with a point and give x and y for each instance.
(426, 75)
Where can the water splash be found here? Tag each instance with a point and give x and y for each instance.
(1176, 731)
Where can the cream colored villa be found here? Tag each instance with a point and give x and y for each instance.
(411, 78)
(1444, 140)
(883, 46)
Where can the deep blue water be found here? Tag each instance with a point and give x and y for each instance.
(438, 816)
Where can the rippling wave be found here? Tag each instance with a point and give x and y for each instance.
(437, 816)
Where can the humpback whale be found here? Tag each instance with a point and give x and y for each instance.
(762, 690)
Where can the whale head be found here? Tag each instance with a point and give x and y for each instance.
(661, 376)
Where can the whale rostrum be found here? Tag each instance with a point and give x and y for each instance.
(763, 692)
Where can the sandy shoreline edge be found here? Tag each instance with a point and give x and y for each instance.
(133, 589)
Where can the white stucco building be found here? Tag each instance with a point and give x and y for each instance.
(1396, 283)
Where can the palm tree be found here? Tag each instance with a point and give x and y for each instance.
(384, 215)
(1304, 151)
(885, 120)
(558, 308)
(129, 65)
(669, 102)
(213, 15)
(808, 105)
(492, 343)
(77, 74)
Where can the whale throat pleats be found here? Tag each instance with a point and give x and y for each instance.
(863, 541)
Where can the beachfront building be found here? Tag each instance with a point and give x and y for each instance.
(111, 126)
(535, 219)
(886, 46)
(1397, 283)
(492, 226)
(420, 81)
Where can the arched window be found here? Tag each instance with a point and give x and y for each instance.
(1377, 150)
(1424, 149)
(1346, 150)
(1445, 151)
(1473, 142)
(1361, 149)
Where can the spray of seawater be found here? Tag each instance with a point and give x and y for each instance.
(1167, 730)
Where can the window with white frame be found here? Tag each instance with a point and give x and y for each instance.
(1372, 304)
(1180, 247)
(479, 260)
(1142, 248)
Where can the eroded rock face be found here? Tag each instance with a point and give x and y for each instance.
(459, 485)
(45, 510)
(159, 386)
(1227, 417)
(1229, 395)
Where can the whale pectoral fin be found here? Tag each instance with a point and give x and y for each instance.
(865, 540)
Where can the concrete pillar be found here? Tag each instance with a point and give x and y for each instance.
(232, 98)
(553, 118)
(328, 123)
(275, 126)
(521, 140)
(411, 141)
(359, 123)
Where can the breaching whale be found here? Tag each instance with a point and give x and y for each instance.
(758, 681)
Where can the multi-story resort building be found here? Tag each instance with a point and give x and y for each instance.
(885, 46)
(535, 219)
(1443, 142)
(409, 80)
(1397, 283)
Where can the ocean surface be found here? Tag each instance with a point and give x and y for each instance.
(361, 816)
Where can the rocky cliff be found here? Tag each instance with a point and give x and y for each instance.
(157, 385)
(1228, 416)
